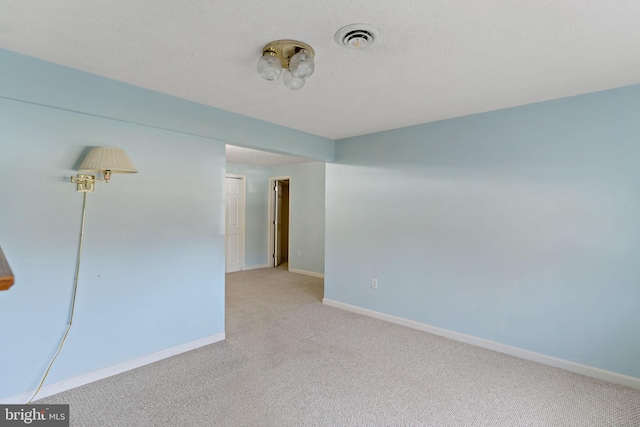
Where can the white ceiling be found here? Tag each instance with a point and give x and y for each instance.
(436, 59)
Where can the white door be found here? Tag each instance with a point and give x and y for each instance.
(278, 224)
(235, 237)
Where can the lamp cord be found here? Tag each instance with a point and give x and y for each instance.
(73, 298)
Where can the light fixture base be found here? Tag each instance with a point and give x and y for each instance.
(84, 183)
(285, 49)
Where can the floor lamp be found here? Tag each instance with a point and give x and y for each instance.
(103, 160)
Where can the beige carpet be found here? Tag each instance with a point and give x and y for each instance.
(288, 360)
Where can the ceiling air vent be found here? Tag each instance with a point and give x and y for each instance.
(356, 36)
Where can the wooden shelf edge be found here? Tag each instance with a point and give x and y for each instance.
(6, 275)
(6, 283)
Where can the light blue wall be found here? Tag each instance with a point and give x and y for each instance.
(99, 96)
(519, 226)
(256, 213)
(152, 275)
(307, 211)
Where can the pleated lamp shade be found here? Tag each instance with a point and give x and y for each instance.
(100, 159)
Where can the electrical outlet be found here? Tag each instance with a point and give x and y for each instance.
(374, 283)
(299, 252)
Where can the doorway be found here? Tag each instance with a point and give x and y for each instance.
(279, 221)
(235, 202)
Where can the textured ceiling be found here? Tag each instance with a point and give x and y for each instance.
(435, 59)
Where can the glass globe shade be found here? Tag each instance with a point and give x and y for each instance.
(269, 67)
(302, 64)
(291, 81)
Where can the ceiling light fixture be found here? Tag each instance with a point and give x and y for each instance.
(294, 57)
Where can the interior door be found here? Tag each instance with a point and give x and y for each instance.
(278, 224)
(234, 222)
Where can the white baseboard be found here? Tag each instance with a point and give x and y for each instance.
(589, 371)
(256, 267)
(109, 371)
(306, 273)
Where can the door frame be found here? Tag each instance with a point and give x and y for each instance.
(242, 208)
(271, 196)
